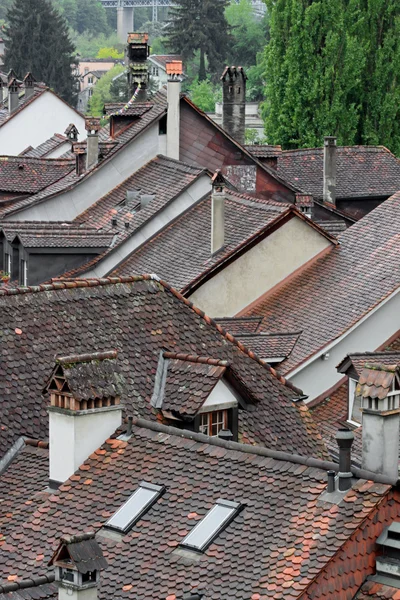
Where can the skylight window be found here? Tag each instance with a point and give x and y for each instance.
(213, 523)
(134, 508)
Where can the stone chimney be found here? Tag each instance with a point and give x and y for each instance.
(137, 53)
(174, 73)
(379, 389)
(29, 85)
(217, 212)
(234, 102)
(13, 96)
(78, 561)
(92, 126)
(84, 409)
(329, 183)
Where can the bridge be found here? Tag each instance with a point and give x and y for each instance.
(125, 12)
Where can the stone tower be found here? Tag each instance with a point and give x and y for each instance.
(137, 52)
(234, 102)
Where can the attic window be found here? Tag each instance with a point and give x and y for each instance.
(134, 508)
(211, 423)
(211, 526)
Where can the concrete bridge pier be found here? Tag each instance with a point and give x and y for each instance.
(124, 23)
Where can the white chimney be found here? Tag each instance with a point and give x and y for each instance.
(78, 561)
(84, 411)
(217, 212)
(329, 174)
(174, 72)
(92, 126)
(378, 388)
(29, 85)
(13, 96)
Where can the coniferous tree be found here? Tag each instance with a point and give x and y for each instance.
(37, 40)
(200, 25)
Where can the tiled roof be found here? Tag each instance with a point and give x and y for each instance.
(30, 175)
(378, 591)
(270, 345)
(358, 360)
(42, 234)
(72, 179)
(137, 109)
(284, 543)
(333, 227)
(163, 59)
(264, 150)
(139, 317)
(239, 325)
(163, 254)
(30, 589)
(355, 276)
(48, 146)
(362, 171)
(376, 380)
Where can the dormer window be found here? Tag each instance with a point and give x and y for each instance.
(134, 508)
(211, 526)
(211, 423)
(354, 403)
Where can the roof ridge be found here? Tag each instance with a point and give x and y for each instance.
(205, 360)
(266, 334)
(36, 443)
(81, 283)
(311, 462)
(26, 583)
(87, 357)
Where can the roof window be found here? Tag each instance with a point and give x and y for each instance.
(134, 508)
(213, 523)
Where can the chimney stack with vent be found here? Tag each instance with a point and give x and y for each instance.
(174, 72)
(379, 389)
(29, 85)
(92, 126)
(217, 212)
(344, 438)
(329, 175)
(13, 96)
(84, 409)
(78, 561)
(234, 102)
(137, 52)
(72, 133)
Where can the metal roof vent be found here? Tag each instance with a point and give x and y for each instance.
(388, 564)
(145, 199)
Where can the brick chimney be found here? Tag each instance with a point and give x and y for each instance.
(92, 126)
(174, 72)
(84, 409)
(29, 85)
(379, 389)
(329, 174)
(217, 212)
(136, 55)
(234, 102)
(77, 562)
(13, 96)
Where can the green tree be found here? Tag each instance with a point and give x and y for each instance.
(200, 25)
(204, 95)
(102, 92)
(91, 16)
(109, 53)
(49, 53)
(249, 34)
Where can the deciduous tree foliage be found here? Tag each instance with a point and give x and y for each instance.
(37, 40)
(332, 68)
(200, 25)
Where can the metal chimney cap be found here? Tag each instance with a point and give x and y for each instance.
(344, 437)
(225, 434)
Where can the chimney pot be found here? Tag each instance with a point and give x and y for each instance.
(174, 71)
(331, 481)
(13, 96)
(217, 212)
(225, 434)
(114, 222)
(92, 126)
(344, 438)
(329, 170)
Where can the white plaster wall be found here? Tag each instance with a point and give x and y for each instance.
(197, 190)
(59, 151)
(35, 124)
(68, 205)
(73, 438)
(318, 376)
(259, 269)
(221, 397)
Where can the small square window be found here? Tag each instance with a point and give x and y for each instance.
(211, 423)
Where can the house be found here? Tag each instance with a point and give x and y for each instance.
(2, 48)
(143, 320)
(31, 113)
(344, 300)
(56, 146)
(88, 81)
(94, 64)
(156, 511)
(158, 68)
(360, 177)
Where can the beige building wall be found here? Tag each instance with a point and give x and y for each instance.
(259, 269)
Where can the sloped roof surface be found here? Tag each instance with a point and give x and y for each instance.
(376, 380)
(358, 359)
(163, 59)
(138, 317)
(371, 590)
(278, 546)
(163, 254)
(47, 147)
(355, 275)
(361, 171)
(264, 150)
(30, 175)
(44, 234)
(269, 345)
(240, 325)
